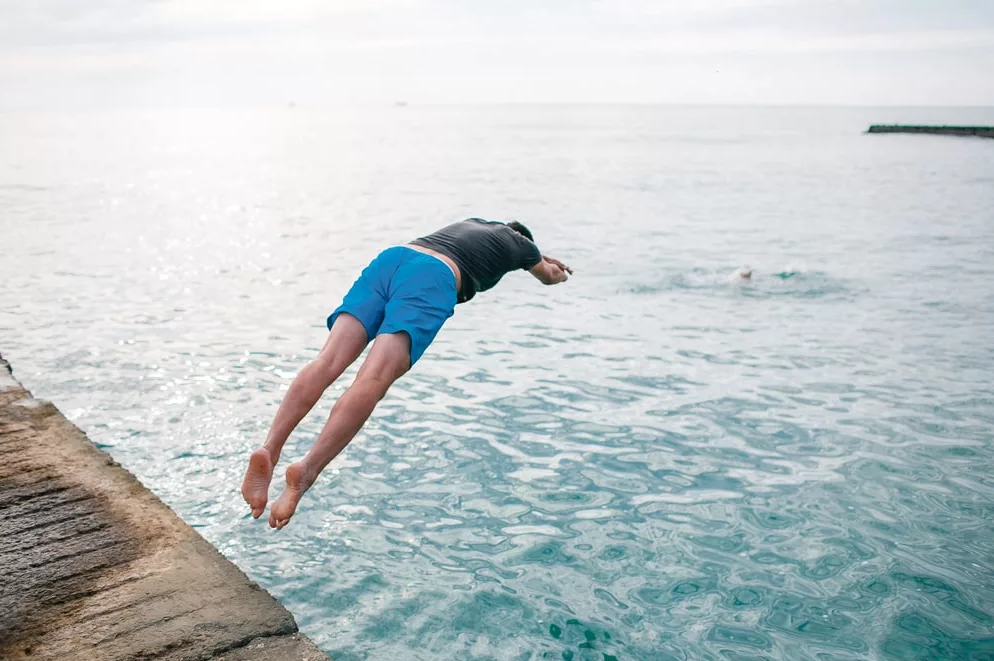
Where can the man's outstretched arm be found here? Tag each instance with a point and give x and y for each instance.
(551, 271)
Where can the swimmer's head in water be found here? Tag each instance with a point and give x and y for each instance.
(745, 273)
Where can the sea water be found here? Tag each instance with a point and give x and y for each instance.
(656, 460)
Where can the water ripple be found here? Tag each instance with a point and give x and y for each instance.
(657, 461)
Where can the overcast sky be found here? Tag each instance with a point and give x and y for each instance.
(108, 53)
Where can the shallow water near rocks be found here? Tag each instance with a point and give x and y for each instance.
(656, 460)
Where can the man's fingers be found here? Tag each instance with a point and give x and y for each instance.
(556, 262)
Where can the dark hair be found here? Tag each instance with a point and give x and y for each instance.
(521, 229)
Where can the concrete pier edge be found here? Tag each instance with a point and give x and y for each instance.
(968, 131)
(96, 567)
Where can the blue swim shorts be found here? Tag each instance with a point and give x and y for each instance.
(402, 290)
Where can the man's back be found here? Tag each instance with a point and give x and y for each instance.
(483, 250)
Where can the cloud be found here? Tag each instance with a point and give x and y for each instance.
(761, 41)
(682, 8)
(268, 11)
(444, 49)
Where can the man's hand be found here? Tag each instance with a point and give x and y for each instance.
(551, 271)
(557, 274)
(556, 262)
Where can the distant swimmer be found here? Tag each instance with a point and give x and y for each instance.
(743, 273)
(399, 303)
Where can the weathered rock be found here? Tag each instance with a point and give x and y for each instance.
(94, 567)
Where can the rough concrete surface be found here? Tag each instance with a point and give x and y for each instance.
(94, 567)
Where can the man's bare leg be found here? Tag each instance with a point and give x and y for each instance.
(387, 361)
(345, 342)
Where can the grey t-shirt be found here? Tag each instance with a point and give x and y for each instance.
(483, 250)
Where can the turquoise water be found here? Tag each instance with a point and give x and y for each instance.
(652, 461)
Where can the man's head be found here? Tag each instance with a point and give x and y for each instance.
(521, 229)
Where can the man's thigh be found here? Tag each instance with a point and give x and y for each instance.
(389, 358)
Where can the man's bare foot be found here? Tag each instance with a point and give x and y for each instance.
(255, 487)
(298, 480)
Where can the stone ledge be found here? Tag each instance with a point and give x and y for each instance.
(95, 567)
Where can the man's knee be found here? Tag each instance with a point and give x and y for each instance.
(380, 372)
(328, 367)
(374, 385)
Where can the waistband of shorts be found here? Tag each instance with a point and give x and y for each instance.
(436, 258)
